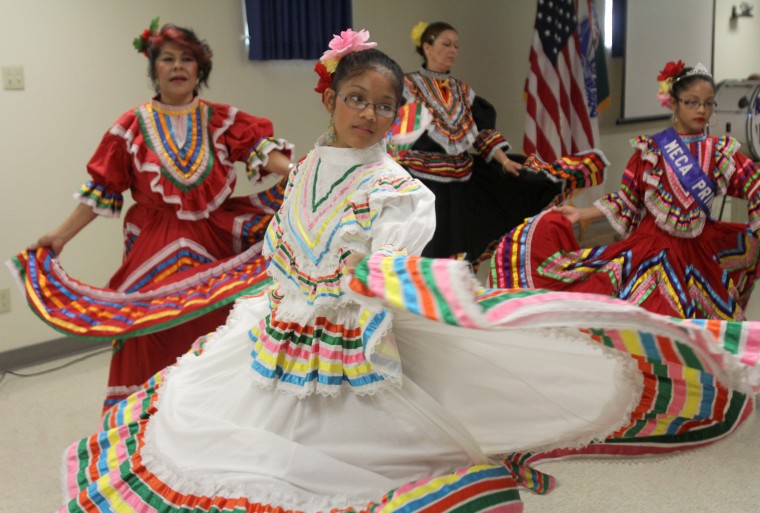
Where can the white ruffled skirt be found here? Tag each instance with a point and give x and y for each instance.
(467, 396)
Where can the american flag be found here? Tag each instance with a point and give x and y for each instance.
(558, 118)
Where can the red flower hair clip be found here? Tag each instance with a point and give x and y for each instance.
(665, 79)
(142, 42)
(325, 77)
(670, 70)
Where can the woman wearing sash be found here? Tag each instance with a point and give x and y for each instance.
(674, 257)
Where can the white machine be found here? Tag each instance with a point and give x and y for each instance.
(738, 114)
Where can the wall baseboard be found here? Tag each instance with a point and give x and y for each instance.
(43, 352)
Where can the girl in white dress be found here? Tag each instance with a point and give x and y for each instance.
(383, 383)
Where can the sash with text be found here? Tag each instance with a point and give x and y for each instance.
(687, 169)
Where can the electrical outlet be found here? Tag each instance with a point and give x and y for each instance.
(13, 78)
(5, 300)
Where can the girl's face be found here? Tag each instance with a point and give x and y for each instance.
(176, 74)
(442, 53)
(357, 127)
(693, 107)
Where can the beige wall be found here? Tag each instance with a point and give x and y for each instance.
(82, 73)
(736, 42)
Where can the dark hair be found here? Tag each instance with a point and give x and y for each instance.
(430, 34)
(681, 82)
(356, 63)
(187, 40)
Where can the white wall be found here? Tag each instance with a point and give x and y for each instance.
(82, 73)
(736, 42)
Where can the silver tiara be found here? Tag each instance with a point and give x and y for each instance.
(698, 70)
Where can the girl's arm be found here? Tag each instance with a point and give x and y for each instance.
(576, 215)
(78, 219)
(353, 259)
(745, 183)
(279, 163)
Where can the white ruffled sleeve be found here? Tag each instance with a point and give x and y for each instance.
(405, 219)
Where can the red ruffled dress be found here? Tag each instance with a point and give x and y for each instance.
(672, 259)
(190, 248)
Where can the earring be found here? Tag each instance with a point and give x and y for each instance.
(391, 146)
(675, 120)
(331, 131)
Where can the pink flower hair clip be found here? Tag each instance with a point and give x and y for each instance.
(665, 80)
(341, 45)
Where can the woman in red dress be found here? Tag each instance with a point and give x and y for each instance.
(176, 156)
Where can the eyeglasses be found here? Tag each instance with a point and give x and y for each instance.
(356, 102)
(694, 104)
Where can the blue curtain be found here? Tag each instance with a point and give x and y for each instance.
(294, 29)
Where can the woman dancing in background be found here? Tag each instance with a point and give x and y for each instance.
(480, 196)
(674, 259)
(187, 241)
